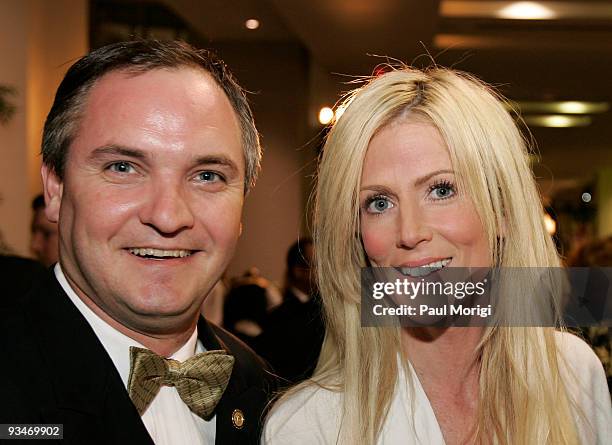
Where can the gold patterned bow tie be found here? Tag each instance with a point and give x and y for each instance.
(200, 380)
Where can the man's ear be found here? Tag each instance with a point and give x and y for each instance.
(53, 190)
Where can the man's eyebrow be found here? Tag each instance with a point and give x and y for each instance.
(117, 150)
(217, 160)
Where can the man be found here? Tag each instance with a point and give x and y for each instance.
(43, 244)
(293, 332)
(18, 275)
(148, 152)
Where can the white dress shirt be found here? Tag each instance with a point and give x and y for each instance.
(168, 419)
(312, 416)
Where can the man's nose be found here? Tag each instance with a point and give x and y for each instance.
(168, 208)
(413, 227)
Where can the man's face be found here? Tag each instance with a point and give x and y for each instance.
(151, 198)
(44, 244)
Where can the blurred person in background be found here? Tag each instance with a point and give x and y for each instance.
(293, 331)
(44, 239)
(17, 274)
(596, 253)
(250, 298)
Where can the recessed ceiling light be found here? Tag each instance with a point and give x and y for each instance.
(563, 107)
(557, 120)
(575, 107)
(543, 10)
(326, 115)
(526, 11)
(251, 24)
(550, 224)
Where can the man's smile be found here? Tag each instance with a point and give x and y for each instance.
(160, 254)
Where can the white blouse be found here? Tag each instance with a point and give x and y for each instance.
(312, 416)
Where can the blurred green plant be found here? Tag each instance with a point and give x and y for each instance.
(7, 109)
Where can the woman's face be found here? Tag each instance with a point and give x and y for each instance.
(412, 214)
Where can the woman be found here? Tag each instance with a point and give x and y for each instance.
(427, 168)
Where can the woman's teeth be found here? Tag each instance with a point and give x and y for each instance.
(157, 253)
(425, 269)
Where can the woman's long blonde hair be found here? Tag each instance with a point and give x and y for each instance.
(522, 399)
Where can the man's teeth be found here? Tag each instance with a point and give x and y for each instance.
(157, 253)
(425, 269)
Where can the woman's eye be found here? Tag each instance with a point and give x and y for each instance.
(121, 167)
(378, 205)
(442, 191)
(209, 176)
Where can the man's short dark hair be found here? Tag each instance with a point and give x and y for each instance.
(137, 57)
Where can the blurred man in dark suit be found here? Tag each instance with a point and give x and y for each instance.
(293, 332)
(18, 275)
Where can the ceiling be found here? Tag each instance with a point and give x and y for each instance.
(563, 58)
(568, 58)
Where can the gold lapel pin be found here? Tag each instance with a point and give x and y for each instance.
(238, 419)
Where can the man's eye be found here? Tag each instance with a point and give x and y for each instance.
(121, 167)
(378, 204)
(208, 176)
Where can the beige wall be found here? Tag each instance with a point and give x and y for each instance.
(38, 40)
(277, 74)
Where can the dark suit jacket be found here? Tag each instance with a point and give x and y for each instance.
(55, 371)
(17, 276)
(292, 338)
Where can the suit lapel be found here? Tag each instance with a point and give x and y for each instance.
(90, 396)
(238, 411)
